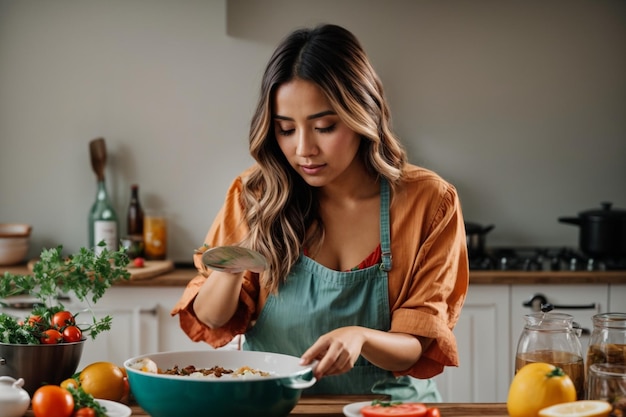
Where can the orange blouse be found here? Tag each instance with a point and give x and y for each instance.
(427, 284)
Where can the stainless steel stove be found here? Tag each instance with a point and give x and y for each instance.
(542, 259)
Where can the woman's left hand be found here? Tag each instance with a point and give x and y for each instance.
(335, 351)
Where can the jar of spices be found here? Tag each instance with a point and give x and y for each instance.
(607, 343)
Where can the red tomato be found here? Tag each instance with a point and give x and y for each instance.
(433, 412)
(85, 412)
(51, 337)
(34, 320)
(62, 319)
(398, 410)
(52, 401)
(139, 262)
(72, 334)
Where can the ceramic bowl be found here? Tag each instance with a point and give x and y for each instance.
(162, 395)
(14, 242)
(15, 230)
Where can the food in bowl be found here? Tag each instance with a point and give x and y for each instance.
(272, 395)
(213, 372)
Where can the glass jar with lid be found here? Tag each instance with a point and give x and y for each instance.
(553, 338)
(607, 343)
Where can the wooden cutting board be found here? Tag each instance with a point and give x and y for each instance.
(150, 269)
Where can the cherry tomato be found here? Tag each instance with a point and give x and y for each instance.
(139, 262)
(51, 337)
(52, 401)
(433, 412)
(72, 334)
(34, 320)
(85, 412)
(62, 319)
(398, 410)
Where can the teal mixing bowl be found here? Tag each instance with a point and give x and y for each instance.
(162, 395)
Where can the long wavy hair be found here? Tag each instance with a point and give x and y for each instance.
(281, 209)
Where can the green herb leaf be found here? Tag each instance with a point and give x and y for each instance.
(86, 275)
(83, 399)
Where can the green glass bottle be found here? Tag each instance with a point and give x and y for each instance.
(103, 221)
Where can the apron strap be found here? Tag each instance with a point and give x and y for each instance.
(385, 233)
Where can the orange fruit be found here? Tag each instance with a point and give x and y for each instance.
(103, 380)
(536, 386)
(582, 408)
(69, 382)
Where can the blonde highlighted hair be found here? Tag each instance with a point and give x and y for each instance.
(280, 207)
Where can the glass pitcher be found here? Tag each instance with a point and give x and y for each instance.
(553, 338)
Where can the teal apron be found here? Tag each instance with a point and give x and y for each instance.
(315, 300)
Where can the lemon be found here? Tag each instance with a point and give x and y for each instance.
(103, 380)
(582, 408)
(536, 386)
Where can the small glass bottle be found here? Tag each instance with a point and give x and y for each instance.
(103, 221)
(607, 343)
(134, 219)
(134, 225)
(552, 338)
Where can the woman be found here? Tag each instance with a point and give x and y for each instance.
(367, 264)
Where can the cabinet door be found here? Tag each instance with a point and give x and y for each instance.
(483, 342)
(134, 331)
(617, 298)
(142, 324)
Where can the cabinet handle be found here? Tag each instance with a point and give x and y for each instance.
(539, 302)
(152, 311)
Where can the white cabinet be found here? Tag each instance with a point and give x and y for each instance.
(617, 298)
(483, 344)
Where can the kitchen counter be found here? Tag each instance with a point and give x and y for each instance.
(332, 406)
(180, 276)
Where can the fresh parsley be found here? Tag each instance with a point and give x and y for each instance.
(85, 274)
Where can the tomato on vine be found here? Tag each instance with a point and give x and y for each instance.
(62, 318)
(72, 334)
(51, 337)
(34, 320)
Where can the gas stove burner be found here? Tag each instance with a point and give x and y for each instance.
(542, 259)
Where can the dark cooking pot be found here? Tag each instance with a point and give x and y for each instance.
(602, 231)
(475, 235)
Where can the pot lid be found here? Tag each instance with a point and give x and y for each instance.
(604, 213)
(475, 228)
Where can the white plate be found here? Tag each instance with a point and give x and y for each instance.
(354, 409)
(114, 409)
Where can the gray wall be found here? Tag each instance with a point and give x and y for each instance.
(522, 105)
